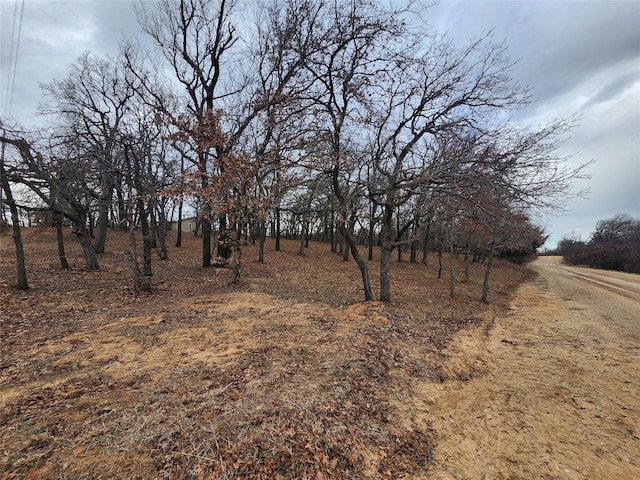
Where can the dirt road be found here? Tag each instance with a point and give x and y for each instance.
(555, 384)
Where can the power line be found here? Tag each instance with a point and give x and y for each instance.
(13, 29)
(15, 63)
(13, 59)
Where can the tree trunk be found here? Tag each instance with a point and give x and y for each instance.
(372, 214)
(122, 211)
(146, 237)
(467, 258)
(21, 269)
(198, 225)
(263, 234)
(60, 237)
(133, 258)
(425, 245)
(452, 287)
(370, 245)
(487, 273)
(277, 229)
(440, 261)
(364, 270)
(332, 233)
(385, 272)
(398, 235)
(153, 224)
(206, 242)
(303, 234)
(104, 202)
(237, 254)
(413, 257)
(452, 236)
(205, 223)
(344, 248)
(223, 251)
(301, 246)
(179, 237)
(385, 255)
(81, 231)
(91, 226)
(161, 232)
(307, 234)
(133, 248)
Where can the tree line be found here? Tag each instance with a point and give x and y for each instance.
(348, 120)
(614, 245)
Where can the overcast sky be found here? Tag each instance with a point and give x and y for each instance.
(578, 57)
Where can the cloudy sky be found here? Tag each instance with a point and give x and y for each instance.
(578, 57)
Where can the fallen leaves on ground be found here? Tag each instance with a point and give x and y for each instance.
(287, 375)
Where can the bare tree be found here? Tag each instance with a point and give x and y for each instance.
(21, 269)
(92, 103)
(58, 179)
(614, 245)
(441, 89)
(200, 41)
(351, 38)
(196, 37)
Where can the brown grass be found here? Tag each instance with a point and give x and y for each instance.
(287, 375)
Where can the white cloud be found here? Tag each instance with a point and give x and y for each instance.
(579, 57)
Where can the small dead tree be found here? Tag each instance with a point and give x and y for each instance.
(60, 172)
(21, 269)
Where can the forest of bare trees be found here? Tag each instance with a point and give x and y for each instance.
(344, 122)
(614, 245)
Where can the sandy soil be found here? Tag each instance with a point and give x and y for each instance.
(286, 376)
(289, 376)
(558, 396)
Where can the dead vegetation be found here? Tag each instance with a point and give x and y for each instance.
(285, 376)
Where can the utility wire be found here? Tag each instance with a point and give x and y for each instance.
(13, 59)
(13, 30)
(15, 63)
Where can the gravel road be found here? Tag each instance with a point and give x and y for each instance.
(554, 388)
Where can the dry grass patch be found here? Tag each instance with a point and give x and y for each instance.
(285, 376)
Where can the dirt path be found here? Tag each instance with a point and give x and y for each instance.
(559, 393)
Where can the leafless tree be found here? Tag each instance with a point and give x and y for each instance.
(614, 245)
(55, 175)
(21, 269)
(438, 89)
(195, 37)
(351, 50)
(224, 73)
(92, 104)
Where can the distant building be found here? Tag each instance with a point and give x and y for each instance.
(189, 224)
